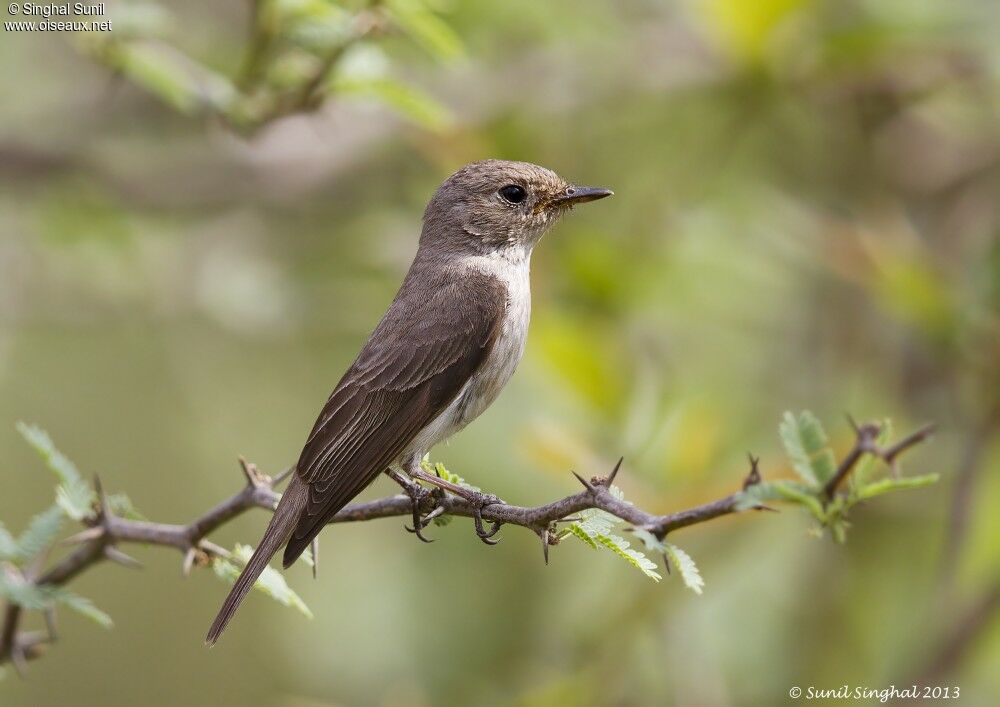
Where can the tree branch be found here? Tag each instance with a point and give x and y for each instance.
(105, 531)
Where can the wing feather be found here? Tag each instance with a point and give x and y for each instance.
(412, 367)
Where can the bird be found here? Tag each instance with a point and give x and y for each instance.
(448, 344)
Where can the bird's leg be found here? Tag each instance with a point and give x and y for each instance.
(417, 494)
(477, 499)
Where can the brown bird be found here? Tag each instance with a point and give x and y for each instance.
(444, 350)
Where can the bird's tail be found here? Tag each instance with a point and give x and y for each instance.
(285, 517)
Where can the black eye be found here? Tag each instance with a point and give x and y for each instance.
(513, 193)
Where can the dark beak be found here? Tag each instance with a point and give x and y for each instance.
(578, 195)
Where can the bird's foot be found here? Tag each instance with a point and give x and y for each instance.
(477, 499)
(420, 498)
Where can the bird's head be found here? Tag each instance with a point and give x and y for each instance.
(495, 205)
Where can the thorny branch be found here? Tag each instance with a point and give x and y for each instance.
(105, 531)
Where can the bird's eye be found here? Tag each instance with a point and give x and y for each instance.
(513, 193)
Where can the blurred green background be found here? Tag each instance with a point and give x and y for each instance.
(807, 215)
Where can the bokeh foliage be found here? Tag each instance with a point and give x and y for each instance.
(805, 217)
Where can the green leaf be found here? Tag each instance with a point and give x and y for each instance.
(577, 530)
(439, 470)
(16, 590)
(409, 102)
(595, 530)
(877, 488)
(807, 446)
(73, 494)
(271, 582)
(41, 532)
(426, 28)
(686, 567)
(81, 605)
(781, 490)
(621, 547)
(172, 76)
(800, 494)
(121, 506)
(317, 25)
(8, 547)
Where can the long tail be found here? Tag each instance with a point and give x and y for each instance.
(278, 531)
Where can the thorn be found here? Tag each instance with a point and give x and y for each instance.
(589, 486)
(84, 536)
(115, 555)
(50, 624)
(211, 548)
(315, 554)
(666, 563)
(249, 472)
(282, 476)
(762, 507)
(852, 422)
(438, 510)
(188, 563)
(614, 472)
(102, 501)
(753, 478)
(545, 544)
(17, 658)
(890, 454)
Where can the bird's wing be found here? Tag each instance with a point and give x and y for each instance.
(412, 367)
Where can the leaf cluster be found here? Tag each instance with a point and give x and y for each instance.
(298, 53)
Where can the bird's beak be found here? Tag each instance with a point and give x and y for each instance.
(578, 195)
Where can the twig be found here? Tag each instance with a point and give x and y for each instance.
(106, 531)
(866, 443)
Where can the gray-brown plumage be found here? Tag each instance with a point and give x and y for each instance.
(448, 344)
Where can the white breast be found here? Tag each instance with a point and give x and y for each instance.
(513, 268)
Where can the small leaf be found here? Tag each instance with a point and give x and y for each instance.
(576, 530)
(426, 28)
(271, 582)
(121, 506)
(595, 530)
(798, 493)
(41, 532)
(686, 567)
(621, 547)
(171, 75)
(807, 447)
(781, 490)
(73, 494)
(81, 605)
(680, 559)
(877, 488)
(439, 470)
(8, 547)
(409, 102)
(16, 590)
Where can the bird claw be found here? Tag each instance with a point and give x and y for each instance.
(485, 535)
(477, 499)
(417, 495)
(418, 525)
